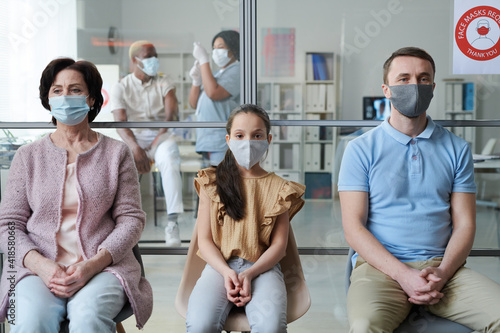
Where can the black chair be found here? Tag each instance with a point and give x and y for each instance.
(126, 311)
(418, 320)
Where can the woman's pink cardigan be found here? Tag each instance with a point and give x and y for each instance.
(109, 216)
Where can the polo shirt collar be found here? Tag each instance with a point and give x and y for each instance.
(405, 139)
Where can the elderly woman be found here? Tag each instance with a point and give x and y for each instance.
(69, 217)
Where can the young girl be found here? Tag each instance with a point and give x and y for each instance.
(243, 221)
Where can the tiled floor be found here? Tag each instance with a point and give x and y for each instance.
(317, 225)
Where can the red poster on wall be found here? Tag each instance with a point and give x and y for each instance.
(476, 38)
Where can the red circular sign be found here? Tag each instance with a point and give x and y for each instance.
(486, 13)
(105, 96)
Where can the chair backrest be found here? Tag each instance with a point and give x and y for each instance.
(489, 146)
(418, 320)
(298, 296)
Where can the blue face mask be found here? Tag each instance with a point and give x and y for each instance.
(150, 65)
(69, 109)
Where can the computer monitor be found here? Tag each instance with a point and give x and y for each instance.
(376, 108)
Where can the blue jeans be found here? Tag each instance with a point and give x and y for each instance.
(91, 309)
(209, 307)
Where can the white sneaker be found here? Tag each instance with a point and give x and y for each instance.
(172, 238)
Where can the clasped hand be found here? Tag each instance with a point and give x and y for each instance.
(238, 288)
(423, 287)
(66, 281)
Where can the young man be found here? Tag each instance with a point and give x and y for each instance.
(144, 96)
(407, 194)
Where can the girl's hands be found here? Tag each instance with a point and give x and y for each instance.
(232, 285)
(246, 288)
(238, 287)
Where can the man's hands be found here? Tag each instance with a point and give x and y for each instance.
(141, 159)
(423, 287)
(238, 287)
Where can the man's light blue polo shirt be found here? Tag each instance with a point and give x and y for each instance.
(409, 182)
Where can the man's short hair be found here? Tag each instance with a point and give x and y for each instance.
(410, 52)
(136, 47)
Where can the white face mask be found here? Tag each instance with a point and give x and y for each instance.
(248, 152)
(151, 65)
(220, 57)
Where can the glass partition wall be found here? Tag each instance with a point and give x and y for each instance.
(320, 83)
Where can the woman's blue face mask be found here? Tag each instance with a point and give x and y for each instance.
(69, 109)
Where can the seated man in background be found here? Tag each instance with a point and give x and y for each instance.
(144, 96)
(407, 194)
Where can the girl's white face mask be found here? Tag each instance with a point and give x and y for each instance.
(248, 152)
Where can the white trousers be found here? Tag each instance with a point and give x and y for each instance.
(168, 161)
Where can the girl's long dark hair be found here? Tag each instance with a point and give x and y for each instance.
(228, 178)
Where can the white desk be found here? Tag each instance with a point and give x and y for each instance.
(487, 167)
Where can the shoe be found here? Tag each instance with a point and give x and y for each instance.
(172, 238)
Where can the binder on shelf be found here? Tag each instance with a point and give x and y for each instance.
(275, 130)
(328, 163)
(296, 156)
(309, 67)
(297, 97)
(276, 97)
(294, 131)
(315, 66)
(286, 156)
(309, 97)
(330, 97)
(288, 98)
(290, 176)
(312, 132)
(276, 156)
(264, 96)
(313, 98)
(320, 68)
(449, 98)
(308, 163)
(468, 96)
(312, 157)
(457, 97)
(330, 61)
(267, 163)
(322, 97)
(316, 156)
